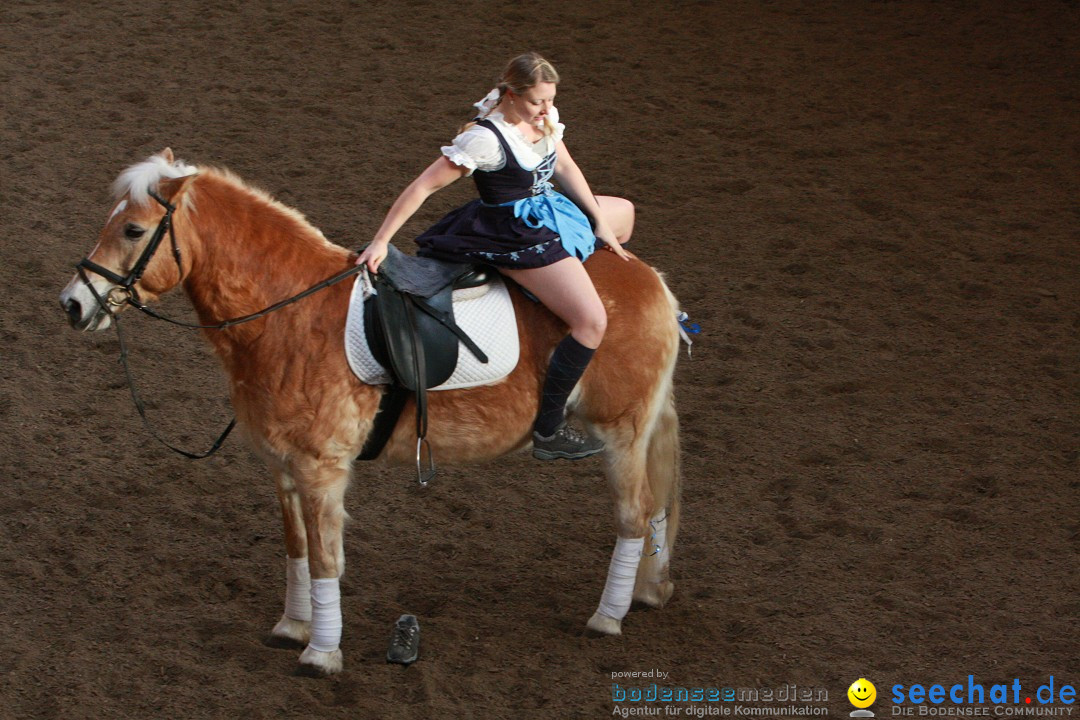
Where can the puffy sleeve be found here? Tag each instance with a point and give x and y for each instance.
(476, 149)
(560, 129)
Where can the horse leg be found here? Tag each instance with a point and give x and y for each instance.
(626, 472)
(294, 627)
(654, 586)
(321, 487)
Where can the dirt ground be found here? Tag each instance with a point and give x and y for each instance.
(871, 208)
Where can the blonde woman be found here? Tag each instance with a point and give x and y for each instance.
(534, 235)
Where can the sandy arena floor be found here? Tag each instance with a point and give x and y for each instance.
(870, 208)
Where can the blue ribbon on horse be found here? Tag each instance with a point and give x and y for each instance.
(557, 212)
(689, 327)
(686, 329)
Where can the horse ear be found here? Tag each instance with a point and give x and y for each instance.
(167, 154)
(171, 189)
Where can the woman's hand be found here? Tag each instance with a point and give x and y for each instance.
(603, 232)
(373, 255)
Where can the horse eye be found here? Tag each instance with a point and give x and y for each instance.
(133, 232)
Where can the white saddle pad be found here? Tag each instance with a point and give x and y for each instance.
(486, 314)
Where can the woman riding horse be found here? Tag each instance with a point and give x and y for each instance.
(534, 235)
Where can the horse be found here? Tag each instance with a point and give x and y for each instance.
(236, 250)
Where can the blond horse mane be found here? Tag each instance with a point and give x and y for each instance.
(142, 178)
(139, 180)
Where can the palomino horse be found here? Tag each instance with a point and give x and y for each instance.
(235, 251)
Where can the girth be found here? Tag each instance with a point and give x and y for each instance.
(410, 328)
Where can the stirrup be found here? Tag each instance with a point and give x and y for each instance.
(422, 476)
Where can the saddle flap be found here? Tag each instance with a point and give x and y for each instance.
(407, 330)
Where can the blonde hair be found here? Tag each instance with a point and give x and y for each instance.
(524, 72)
(521, 74)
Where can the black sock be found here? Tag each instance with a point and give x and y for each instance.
(568, 363)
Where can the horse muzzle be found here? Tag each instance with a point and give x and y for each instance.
(83, 310)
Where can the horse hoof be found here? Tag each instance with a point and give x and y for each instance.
(654, 595)
(604, 625)
(289, 634)
(315, 663)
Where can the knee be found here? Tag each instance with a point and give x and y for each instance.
(627, 213)
(590, 329)
(599, 325)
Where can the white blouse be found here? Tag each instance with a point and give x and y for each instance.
(478, 149)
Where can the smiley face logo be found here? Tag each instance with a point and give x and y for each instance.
(862, 693)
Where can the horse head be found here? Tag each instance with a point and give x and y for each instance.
(126, 263)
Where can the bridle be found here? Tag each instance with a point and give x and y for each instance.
(125, 293)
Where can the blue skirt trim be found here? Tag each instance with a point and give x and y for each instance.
(556, 212)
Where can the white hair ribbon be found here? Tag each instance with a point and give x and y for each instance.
(488, 104)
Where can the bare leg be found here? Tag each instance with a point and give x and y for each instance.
(566, 289)
(619, 212)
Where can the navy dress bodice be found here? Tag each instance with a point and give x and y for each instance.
(512, 182)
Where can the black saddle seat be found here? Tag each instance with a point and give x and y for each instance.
(475, 276)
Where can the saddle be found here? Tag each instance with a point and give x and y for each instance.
(409, 324)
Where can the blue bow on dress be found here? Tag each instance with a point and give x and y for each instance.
(557, 212)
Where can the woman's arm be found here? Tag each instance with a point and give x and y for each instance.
(438, 175)
(574, 185)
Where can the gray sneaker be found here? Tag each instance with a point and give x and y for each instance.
(405, 641)
(566, 443)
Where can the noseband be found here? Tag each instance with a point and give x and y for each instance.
(125, 291)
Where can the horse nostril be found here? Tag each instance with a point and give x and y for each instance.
(73, 310)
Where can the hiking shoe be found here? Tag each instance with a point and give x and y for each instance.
(405, 641)
(566, 443)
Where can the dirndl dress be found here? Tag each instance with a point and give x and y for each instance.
(519, 221)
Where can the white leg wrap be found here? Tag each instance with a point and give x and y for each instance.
(325, 615)
(618, 591)
(298, 589)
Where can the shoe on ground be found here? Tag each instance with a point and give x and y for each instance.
(566, 443)
(405, 641)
